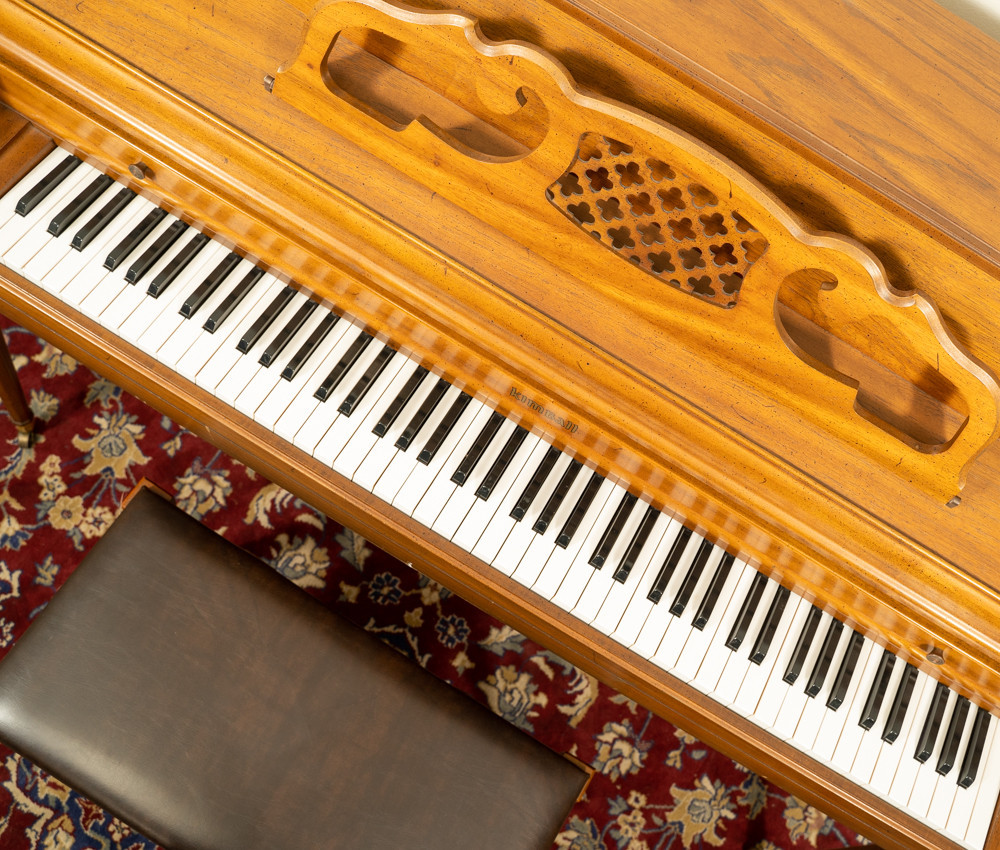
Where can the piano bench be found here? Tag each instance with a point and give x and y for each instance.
(209, 703)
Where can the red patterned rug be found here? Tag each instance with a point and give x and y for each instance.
(655, 786)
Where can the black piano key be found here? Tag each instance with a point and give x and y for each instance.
(694, 574)
(422, 415)
(363, 384)
(433, 444)
(762, 645)
(974, 751)
(102, 218)
(307, 348)
(211, 283)
(900, 705)
(711, 598)
(264, 320)
(873, 703)
(534, 485)
(399, 402)
(932, 725)
(168, 274)
(842, 682)
(669, 565)
(330, 383)
(579, 510)
(613, 531)
(160, 246)
(825, 658)
(232, 300)
(74, 209)
(496, 471)
(806, 637)
(131, 241)
(556, 497)
(738, 633)
(472, 456)
(292, 326)
(953, 737)
(635, 546)
(43, 188)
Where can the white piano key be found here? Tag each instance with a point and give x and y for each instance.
(835, 722)
(639, 604)
(184, 334)
(54, 249)
(212, 355)
(112, 284)
(558, 562)
(436, 497)
(699, 641)
(364, 439)
(738, 663)
(483, 510)
(129, 299)
(344, 333)
(757, 675)
(927, 777)
(773, 695)
(853, 736)
(580, 570)
(463, 497)
(795, 699)
(815, 710)
(253, 396)
(345, 426)
(613, 609)
(946, 787)
(960, 816)
(989, 788)
(680, 628)
(406, 481)
(659, 617)
(868, 753)
(384, 451)
(542, 567)
(247, 365)
(15, 249)
(892, 757)
(499, 527)
(285, 393)
(601, 581)
(518, 540)
(153, 321)
(76, 274)
(901, 786)
(11, 197)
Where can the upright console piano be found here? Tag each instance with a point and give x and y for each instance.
(664, 332)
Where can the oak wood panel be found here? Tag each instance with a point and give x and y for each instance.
(889, 584)
(889, 116)
(479, 584)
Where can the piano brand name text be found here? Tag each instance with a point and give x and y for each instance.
(551, 415)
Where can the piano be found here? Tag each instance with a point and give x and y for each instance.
(666, 336)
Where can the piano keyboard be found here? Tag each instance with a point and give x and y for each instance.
(506, 496)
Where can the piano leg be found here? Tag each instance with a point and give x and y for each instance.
(12, 397)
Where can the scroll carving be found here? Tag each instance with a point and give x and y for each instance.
(657, 230)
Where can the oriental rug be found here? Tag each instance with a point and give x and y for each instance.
(655, 787)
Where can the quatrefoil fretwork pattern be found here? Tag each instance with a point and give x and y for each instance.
(657, 217)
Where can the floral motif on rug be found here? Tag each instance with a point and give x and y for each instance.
(654, 786)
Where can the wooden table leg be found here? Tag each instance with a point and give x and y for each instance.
(12, 397)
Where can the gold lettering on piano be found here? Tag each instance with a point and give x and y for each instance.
(551, 415)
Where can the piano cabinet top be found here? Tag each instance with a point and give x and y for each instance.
(895, 153)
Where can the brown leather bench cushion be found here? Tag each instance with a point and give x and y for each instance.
(210, 703)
